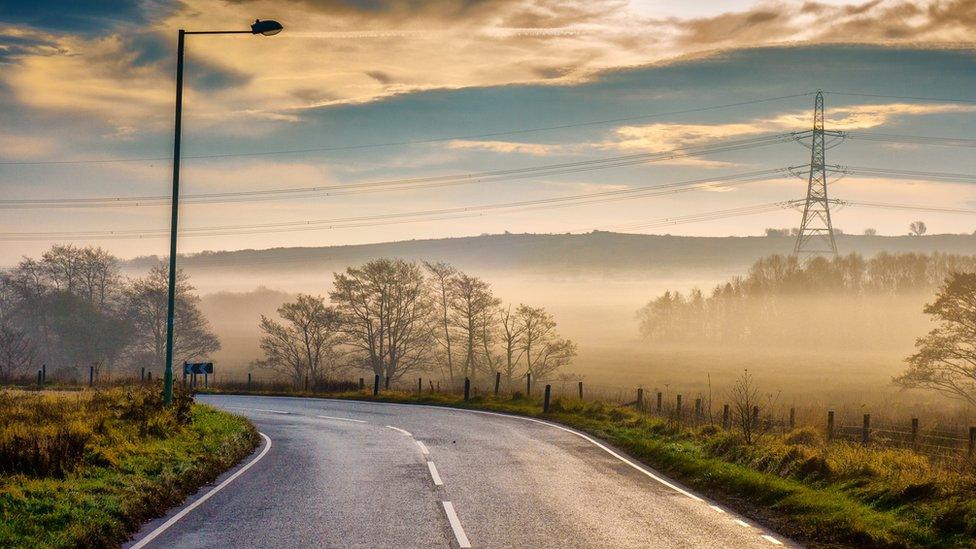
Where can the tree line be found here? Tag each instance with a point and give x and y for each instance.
(72, 308)
(829, 295)
(392, 318)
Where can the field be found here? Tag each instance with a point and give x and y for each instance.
(87, 468)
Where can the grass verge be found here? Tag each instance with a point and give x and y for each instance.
(820, 494)
(87, 468)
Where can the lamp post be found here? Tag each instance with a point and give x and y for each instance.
(265, 28)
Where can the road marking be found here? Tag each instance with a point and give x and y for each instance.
(717, 508)
(772, 540)
(584, 437)
(165, 526)
(434, 475)
(452, 517)
(423, 448)
(399, 430)
(342, 419)
(742, 523)
(264, 410)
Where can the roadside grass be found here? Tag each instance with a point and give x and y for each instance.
(87, 468)
(821, 494)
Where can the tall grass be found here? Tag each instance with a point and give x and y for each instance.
(87, 468)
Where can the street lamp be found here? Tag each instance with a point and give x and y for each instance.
(265, 28)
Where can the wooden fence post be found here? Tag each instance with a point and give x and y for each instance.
(698, 409)
(40, 378)
(376, 384)
(972, 440)
(149, 376)
(43, 373)
(91, 376)
(830, 425)
(498, 382)
(725, 416)
(362, 384)
(677, 407)
(792, 418)
(914, 433)
(528, 384)
(640, 398)
(142, 374)
(581, 390)
(659, 397)
(545, 400)
(467, 388)
(420, 385)
(866, 429)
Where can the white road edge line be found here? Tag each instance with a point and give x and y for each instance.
(587, 438)
(717, 508)
(399, 430)
(165, 526)
(341, 419)
(423, 448)
(434, 474)
(742, 523)
(265, 410)
(772, 540)
(452, 517)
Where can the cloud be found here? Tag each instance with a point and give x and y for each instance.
(665, 137)
(353, 52)
(508, 147)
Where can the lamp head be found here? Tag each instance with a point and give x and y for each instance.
(267, 27)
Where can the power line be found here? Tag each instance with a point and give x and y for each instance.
(406, 184)
(912, 139)
(409, 217)
(906, 97)
(409, 142)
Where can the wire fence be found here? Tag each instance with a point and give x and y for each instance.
(939, 437)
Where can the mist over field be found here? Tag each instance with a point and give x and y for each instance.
(843, 355)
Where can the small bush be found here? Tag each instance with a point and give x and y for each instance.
(807, 436)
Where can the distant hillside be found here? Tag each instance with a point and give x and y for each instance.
(566, 254)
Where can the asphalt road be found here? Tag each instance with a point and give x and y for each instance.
(362, 474)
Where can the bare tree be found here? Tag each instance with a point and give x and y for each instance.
(473, 309)
(442, 281)
(386, 313)
(98, 276)
(945, 359)
(744, 396)
(16, 353)
(146, 301)
(544, 350)
(307, 344)
(917, 228)
(512, 330)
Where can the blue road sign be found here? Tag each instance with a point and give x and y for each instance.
(198, 367)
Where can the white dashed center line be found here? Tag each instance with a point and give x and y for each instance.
(342, 419)
(423, 448)
(452, 517)
(434, 474)
(399, 430)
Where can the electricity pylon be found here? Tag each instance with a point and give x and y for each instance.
(816, 235)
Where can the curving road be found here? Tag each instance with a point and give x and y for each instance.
(361, 474)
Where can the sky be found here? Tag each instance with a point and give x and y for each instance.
(377, 120)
